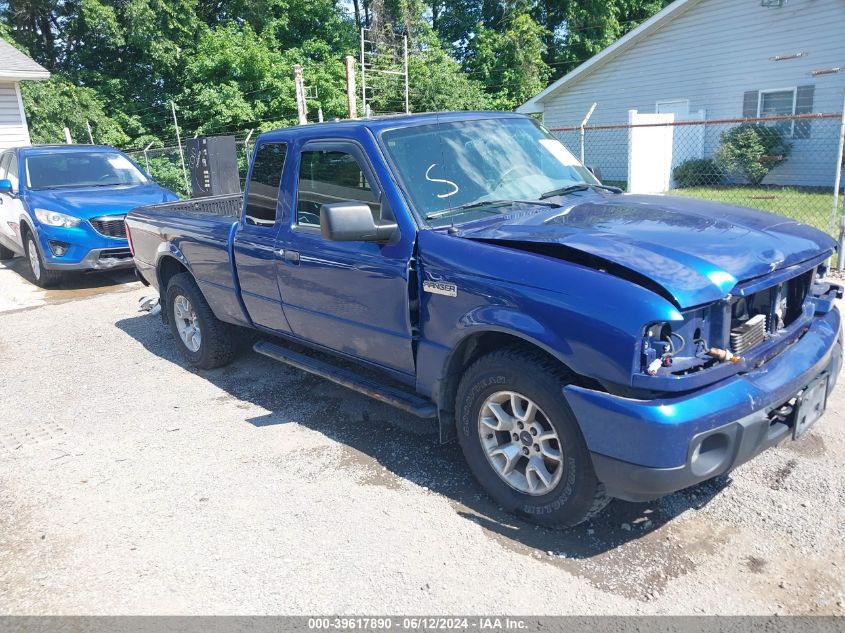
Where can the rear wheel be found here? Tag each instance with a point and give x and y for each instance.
(40, 275)
(205, 341)
(522, 442)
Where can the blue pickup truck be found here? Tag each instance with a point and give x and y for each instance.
(580, 342)
(62, 207)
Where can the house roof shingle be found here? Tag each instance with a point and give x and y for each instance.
(16, 66)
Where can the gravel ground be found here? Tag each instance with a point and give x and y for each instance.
(131, 484)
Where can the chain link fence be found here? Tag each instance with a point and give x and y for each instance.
(785, 165)
(164, 164)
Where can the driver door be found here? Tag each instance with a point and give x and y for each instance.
(352, 297)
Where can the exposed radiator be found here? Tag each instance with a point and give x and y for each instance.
(749, 334)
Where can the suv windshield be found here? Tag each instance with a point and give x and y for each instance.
(462, 164)
(80, 169)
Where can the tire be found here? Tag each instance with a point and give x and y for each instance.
(6, 253)
(187, 311)
(40, 276)
(568, 493)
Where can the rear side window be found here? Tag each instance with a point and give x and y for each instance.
(263, 188)
(12, 173)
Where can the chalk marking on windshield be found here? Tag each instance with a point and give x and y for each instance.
(445, 182)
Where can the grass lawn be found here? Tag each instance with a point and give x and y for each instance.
(810, 207)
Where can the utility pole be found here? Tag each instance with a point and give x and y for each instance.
(90, 136)
(179, 142)
(407, 91)
(300, 94)
(350, 87)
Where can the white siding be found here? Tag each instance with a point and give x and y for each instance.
(711, 54)
(13, 130)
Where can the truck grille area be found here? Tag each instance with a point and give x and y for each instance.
(748, 334)
(110, 226)
(756, 317)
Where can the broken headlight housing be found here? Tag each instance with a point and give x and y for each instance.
(678, 347)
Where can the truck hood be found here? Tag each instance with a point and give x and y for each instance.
(695, 251)
(90, 202)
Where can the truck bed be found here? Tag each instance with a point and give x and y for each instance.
(201, 230)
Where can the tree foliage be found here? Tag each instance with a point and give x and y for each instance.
(752, 151)
(227, 64)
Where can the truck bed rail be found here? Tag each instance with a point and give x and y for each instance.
(228, 205)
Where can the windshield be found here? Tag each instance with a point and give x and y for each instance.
(80, 169)
(460, 163)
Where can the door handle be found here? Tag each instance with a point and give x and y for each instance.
(292, 257)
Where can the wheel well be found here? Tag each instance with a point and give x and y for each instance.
(468, 351)
(167, 268)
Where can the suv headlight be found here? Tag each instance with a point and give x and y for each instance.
(54, 218)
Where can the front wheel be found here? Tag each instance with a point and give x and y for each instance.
(522, 442)
(204, 340)
(40, 275)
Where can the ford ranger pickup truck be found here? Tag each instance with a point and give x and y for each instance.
(580, 342)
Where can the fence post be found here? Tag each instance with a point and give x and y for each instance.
(836, 183)
(300, 94)
(181, 153)
(350, 87)
(583, 125)
(146, 158)
(68, 138)
(246, 145)
(90, 136)
(407, 83)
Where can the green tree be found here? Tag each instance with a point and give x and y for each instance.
(509, 61)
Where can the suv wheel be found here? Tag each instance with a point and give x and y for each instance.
(205, 341)
(522, 442)
(40, 275)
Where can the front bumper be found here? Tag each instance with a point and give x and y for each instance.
(85, 249)
(644, 449)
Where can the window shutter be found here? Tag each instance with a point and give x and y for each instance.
(803, 105)
(749, 104)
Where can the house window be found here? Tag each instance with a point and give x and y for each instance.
(778, 103)
(679, 107)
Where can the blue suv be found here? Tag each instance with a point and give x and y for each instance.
(62, 207)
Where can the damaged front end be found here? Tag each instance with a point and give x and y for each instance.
(756, 322)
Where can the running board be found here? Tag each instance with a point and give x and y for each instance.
(409, 402)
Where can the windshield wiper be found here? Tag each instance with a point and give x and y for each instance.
(486, 203)
(581, 187)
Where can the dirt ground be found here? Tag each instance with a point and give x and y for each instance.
(131, 484)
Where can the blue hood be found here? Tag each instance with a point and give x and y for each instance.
(697, 251)
(90, 202)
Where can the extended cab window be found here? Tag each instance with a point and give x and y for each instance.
(327, 176)
(263, 188)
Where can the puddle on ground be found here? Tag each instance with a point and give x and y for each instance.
(75, 285)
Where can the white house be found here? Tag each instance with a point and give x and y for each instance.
(14, 68)
(712, 60)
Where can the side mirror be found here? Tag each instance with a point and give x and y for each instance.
(6, 186)
(595, 170)
(353, 222)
